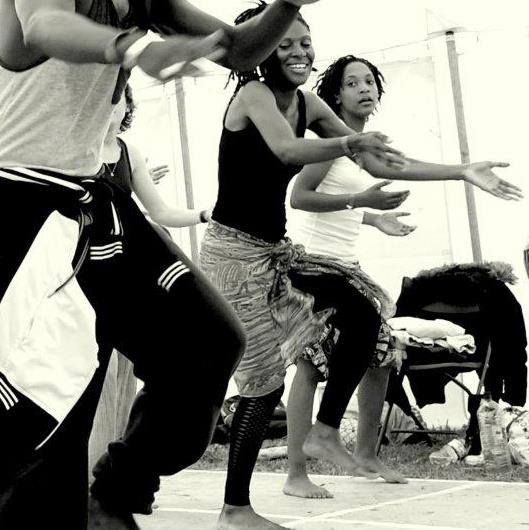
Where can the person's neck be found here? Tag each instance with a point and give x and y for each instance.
(111, 150)
(356, 123)
(285, 97)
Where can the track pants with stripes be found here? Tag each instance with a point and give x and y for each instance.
(82, 272)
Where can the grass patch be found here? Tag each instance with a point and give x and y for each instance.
(411, 460)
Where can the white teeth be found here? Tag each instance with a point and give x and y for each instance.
(298, 66)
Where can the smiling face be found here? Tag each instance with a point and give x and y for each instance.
(358, 95)
(295, 55)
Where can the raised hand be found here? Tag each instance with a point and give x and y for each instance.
(389, 224)
(376, 143)
(480, 174)
(375, 197)
(179, 51)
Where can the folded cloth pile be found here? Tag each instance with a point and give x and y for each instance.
(419, 332)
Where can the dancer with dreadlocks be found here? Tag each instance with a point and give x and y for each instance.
(81, 267)
(283, 297)
(353, 87)
(286, 299)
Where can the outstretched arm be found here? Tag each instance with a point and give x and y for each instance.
(258, 103)
(53, 28)
(157, 209)
(247, 44)
(479, 174)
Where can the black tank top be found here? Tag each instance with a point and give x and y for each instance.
(122, 171)
(253, 181)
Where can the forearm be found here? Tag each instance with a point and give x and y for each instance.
(69, 36)
(176, 217)
(314, 201)
(414, 170)
(300, 151)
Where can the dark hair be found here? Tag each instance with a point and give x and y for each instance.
(270, 66)
(329, 82)
(126, 122)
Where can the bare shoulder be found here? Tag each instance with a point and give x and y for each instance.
(315, 105)
(255, 90)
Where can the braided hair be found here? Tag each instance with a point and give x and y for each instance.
(329, 82)
(129, 112)
(270, 66)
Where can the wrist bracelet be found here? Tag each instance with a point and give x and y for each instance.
(203, 216)
(347, 151)
(350, 204)
(133, 52)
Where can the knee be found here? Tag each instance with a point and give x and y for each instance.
(306, 371)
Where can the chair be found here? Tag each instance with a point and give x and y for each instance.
(441, 363)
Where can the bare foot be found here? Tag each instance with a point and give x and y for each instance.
(324, 442)
(304, 487)
(244, 518)
(100, 519)
(375, 465)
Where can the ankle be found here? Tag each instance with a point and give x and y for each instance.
(322, 430)
(232, 509)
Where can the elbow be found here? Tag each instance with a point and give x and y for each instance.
(286, 156)
(33, 31)
(157, 218)
(295, 202)
(301, 200)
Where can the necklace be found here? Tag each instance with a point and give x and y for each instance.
(111, 168)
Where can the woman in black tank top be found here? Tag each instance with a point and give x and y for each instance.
(288, 301)
(126, 168)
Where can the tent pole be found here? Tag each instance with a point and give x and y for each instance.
(186, 162)
(463, 143)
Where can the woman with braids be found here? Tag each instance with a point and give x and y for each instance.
(285, 299)
(352, 87)
(126, 168)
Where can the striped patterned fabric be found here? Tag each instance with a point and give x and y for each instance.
(279, 320)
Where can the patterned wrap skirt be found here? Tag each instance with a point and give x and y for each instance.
(280, 324)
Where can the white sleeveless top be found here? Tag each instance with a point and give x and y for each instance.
(333, 234)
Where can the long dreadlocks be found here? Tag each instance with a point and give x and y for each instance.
(329, 82)
(270, 65)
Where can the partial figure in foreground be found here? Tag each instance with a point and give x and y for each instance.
(83, 266)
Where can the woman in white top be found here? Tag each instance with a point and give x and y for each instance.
(328, 192)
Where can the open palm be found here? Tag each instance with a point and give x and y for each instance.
(390, 224)
(480, 174)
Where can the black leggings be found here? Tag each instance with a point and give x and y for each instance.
(248, 430)
(358, 323)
